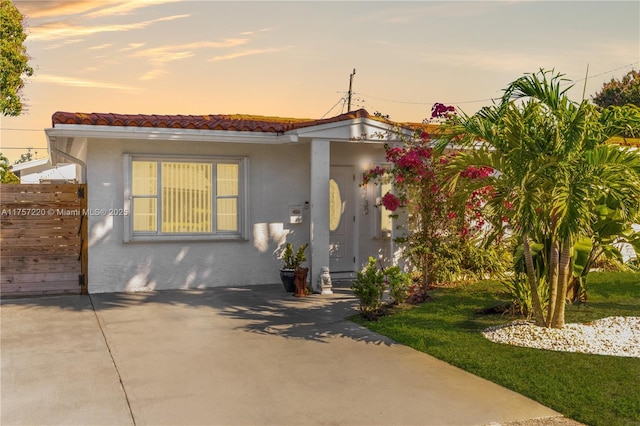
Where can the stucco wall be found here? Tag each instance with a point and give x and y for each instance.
(278, 178)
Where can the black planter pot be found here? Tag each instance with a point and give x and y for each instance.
(288, 277)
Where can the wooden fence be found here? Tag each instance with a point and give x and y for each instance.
(43, 239)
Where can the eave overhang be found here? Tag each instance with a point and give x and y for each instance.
(167, 134)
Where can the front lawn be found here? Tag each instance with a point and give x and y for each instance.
(593, 389)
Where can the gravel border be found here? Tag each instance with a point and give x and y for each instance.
(616, 336)
(547, 421)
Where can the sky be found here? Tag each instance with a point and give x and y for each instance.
(295, 58)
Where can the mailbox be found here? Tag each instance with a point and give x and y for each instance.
(295, 214)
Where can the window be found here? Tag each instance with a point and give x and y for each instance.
(173, 198)
(335, 205)
(383, 216)
(382, 221)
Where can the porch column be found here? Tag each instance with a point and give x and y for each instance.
(319, 209)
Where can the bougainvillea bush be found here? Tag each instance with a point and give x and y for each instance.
(440, 231)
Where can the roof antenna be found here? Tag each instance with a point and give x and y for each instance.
(586, 77)
(350, 84)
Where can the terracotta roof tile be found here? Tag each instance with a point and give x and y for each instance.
(237, 122)
(232, 122)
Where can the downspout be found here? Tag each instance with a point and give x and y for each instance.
(75, 160)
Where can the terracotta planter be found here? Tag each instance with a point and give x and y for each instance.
(301, 282)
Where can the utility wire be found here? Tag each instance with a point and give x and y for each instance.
(496, 98)
(22, 130)
(607, 72)
(331, 109)
(23, 147)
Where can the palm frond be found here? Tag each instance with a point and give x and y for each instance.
(543, 86)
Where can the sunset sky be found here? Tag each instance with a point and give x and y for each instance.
(293, 59)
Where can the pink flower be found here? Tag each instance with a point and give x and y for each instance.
(441, 110)
(390, 202)
(473, 172)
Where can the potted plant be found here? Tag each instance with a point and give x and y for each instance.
(292, 260)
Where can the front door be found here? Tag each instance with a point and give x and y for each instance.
(341, 220)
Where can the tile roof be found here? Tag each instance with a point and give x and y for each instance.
(235, 122)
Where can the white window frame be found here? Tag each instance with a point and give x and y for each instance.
(158, 235)
(378, 233)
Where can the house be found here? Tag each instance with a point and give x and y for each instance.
(183, 201)
(40, 171)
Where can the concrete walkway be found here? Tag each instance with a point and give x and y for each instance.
(227, 356)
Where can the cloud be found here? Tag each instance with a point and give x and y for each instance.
(509, 61)
(262, 30)
(77, 82)
(58, 30)
(57, 8)
(125, 7)
(425, 12)
(247, 53)
(487, 59)
(153, 74)
(159, 56)
(131, 46)
(45, 9)
(175, 52)
(100, 46)
(64, 43)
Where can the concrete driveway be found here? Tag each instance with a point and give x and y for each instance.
(227, 356)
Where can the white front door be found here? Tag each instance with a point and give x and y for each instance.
(341, 220)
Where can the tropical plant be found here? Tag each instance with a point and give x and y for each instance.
(551, 167)
(369, 287)
(6, 175)
(610, 229)
(520, 291)
(25, 158)
(291, 258)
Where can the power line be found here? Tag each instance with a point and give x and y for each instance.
(496, 98)
(331, 109)
(607, 72)
(23, 147)
(22, 130)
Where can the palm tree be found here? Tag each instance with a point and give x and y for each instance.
(552, 165)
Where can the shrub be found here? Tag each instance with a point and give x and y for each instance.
(417, 293)
(368, 288)
(520, 291)
(399, 283)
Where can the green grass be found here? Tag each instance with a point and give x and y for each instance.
(593, 389)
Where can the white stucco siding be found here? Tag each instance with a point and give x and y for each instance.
(278, 177)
